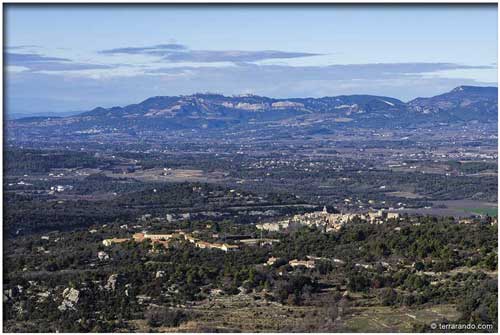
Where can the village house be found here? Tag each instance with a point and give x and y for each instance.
(202, 244)
(228, 247)
(393, 215)
(310, 264)
(101, 255)
(271, 261)
(109, 241)
(273, 226)
(222, 246)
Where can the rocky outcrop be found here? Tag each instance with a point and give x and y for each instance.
(112, 282)
(70, 299)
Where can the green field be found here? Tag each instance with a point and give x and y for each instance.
(483, 211)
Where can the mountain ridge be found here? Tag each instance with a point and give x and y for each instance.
(206, 111)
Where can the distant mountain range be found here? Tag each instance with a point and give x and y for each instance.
(206, 112)
(23, 115)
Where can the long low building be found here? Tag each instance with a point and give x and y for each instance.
(139, 237)
(310, 264)
(109, 241)
(222, 246)
(259, 241)
(164, 240)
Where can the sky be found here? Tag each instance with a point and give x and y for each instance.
(66, 58)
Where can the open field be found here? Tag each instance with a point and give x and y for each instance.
(243, 313)
(407, 195)
(388, 319)
(159, 174)
(457, 208)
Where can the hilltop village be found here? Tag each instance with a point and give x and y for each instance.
(328, 221)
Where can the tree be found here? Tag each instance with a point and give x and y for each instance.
(358, 282)
(387, 296)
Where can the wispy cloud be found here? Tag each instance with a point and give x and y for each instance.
(298, 81)
(330, 72)
(37, 62)
(181, 53)
(155, 49)
(22, 47)
(208, 56)
(20, 58)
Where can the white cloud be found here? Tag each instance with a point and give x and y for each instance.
(16, 68)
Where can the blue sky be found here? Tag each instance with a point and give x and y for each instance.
(68, 58)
